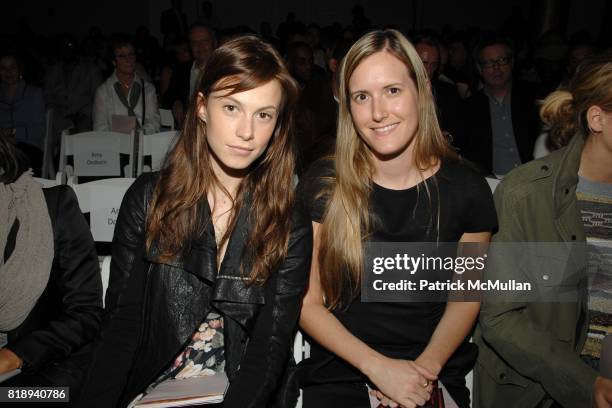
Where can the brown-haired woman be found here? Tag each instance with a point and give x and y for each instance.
(394, 178)
(209, 260)
(546, 354)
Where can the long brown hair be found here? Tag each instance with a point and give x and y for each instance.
(347, 219)
(565, 110)
(239, 65)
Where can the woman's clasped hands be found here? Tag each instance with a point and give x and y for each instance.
(401, 383)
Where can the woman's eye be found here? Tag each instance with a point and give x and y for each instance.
(360, 98)
(230, 108)
(264, 115)
(394, 91)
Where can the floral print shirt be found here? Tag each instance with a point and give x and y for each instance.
(204, 355)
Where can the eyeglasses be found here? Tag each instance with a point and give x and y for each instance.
(500, 62)
(131, 55)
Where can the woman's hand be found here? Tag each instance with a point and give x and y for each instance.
(9, 361)
(401, 382)
(602, 393)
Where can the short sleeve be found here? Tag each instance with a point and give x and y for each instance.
(312, 190)
(479, 212)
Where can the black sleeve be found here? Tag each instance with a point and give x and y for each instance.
(75, 274)
(479, 208)
(267, 353)
(115, 349)
(312, 192)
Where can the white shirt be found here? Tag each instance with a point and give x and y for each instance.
(107, 103)
(193, 78)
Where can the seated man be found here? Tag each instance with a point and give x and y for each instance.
(448, 102)
(126, 93)
(501, 122)
(183, 82)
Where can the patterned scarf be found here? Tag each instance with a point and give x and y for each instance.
(24, 276)
(134, 96)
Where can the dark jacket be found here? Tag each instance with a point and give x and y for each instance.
(154, 308)
(173, 22)
(67, 315)
(178, 89)
(478, 132)
(448, 105)
(529, 352)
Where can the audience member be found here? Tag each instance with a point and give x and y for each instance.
(184, 78)
(22, 111)
(459, 70)
(126, 93)
(70, 86)
(446, 98)
(148, 51)
(501, 118)
(549, 63)
(180, 54)
(50, 282)
(316, 116)
(546, 354)
(173, 23)
(577, 52)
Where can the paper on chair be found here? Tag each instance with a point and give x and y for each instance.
(123, 123)
(186, 391)
(10, 374)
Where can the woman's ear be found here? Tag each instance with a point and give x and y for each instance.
(594, 116)
(202, 113)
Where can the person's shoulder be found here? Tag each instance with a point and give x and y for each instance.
(478, 99)
(313, 187)
(145, 182)
(33, 89)
(534, 177)
(321, 168)
(57, 193)
(458, 169)
(445, 89)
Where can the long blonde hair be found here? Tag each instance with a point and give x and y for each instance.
(564, 110)
(347, 220)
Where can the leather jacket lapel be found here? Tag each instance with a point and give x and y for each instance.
(232, 295)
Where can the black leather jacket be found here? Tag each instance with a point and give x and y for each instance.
(153, 309)
(52, 340)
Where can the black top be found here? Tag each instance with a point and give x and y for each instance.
(402, 330)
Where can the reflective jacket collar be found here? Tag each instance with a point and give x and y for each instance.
(229, 286)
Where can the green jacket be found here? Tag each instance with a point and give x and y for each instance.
(529, 352)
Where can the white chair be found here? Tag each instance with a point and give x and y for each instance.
(46, 183)
(95, 154)
(105, 275)
(166, 118)
(102, 199)
(301, 350)
(156, 145)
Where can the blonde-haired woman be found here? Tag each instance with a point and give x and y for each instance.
(394, 178)
(547, 354)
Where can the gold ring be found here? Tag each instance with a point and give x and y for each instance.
(427, 382)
